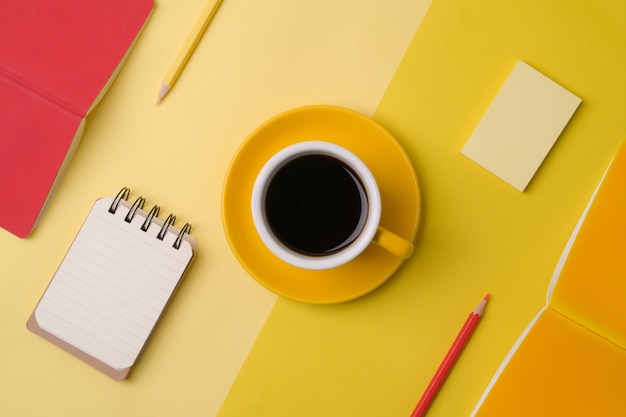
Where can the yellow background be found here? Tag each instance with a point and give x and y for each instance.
(375, 355)
(257, 59)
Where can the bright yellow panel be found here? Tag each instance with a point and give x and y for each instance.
(591, 288)
(561, 369)
(374, 356)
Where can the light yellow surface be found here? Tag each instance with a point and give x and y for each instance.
(374, 356)
(521, 125)
(257, 59)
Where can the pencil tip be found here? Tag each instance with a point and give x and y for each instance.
(165, 88)
(480, 308)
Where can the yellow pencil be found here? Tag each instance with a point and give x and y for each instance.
(190, 44)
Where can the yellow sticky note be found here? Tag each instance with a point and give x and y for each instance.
(520, 126)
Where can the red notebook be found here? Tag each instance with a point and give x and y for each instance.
(57, 58)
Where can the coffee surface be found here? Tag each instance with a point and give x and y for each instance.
(316, 205)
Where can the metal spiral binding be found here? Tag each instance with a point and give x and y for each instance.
(168, 222)
(122, 195)
(138, 204)
(186, 229)
(154, 212)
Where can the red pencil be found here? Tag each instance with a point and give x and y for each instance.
(450, 359)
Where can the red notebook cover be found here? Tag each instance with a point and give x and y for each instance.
(56, 60)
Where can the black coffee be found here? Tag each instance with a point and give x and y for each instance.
(316, 205)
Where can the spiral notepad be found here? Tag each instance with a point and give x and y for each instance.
(114, 283)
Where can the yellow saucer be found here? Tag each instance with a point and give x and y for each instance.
(383, 155)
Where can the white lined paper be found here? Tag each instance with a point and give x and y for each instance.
(113, 285)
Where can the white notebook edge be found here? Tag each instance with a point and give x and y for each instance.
(568, 246)
(506, 361)
(114, 373)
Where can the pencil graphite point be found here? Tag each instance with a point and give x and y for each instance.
(480, 309)
(165, 88)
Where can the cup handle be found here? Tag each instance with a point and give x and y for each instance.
(393, 243)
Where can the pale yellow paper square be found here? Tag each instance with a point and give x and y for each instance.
(521, 125)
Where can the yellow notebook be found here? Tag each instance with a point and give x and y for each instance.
(571, 359)
(114, 283)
